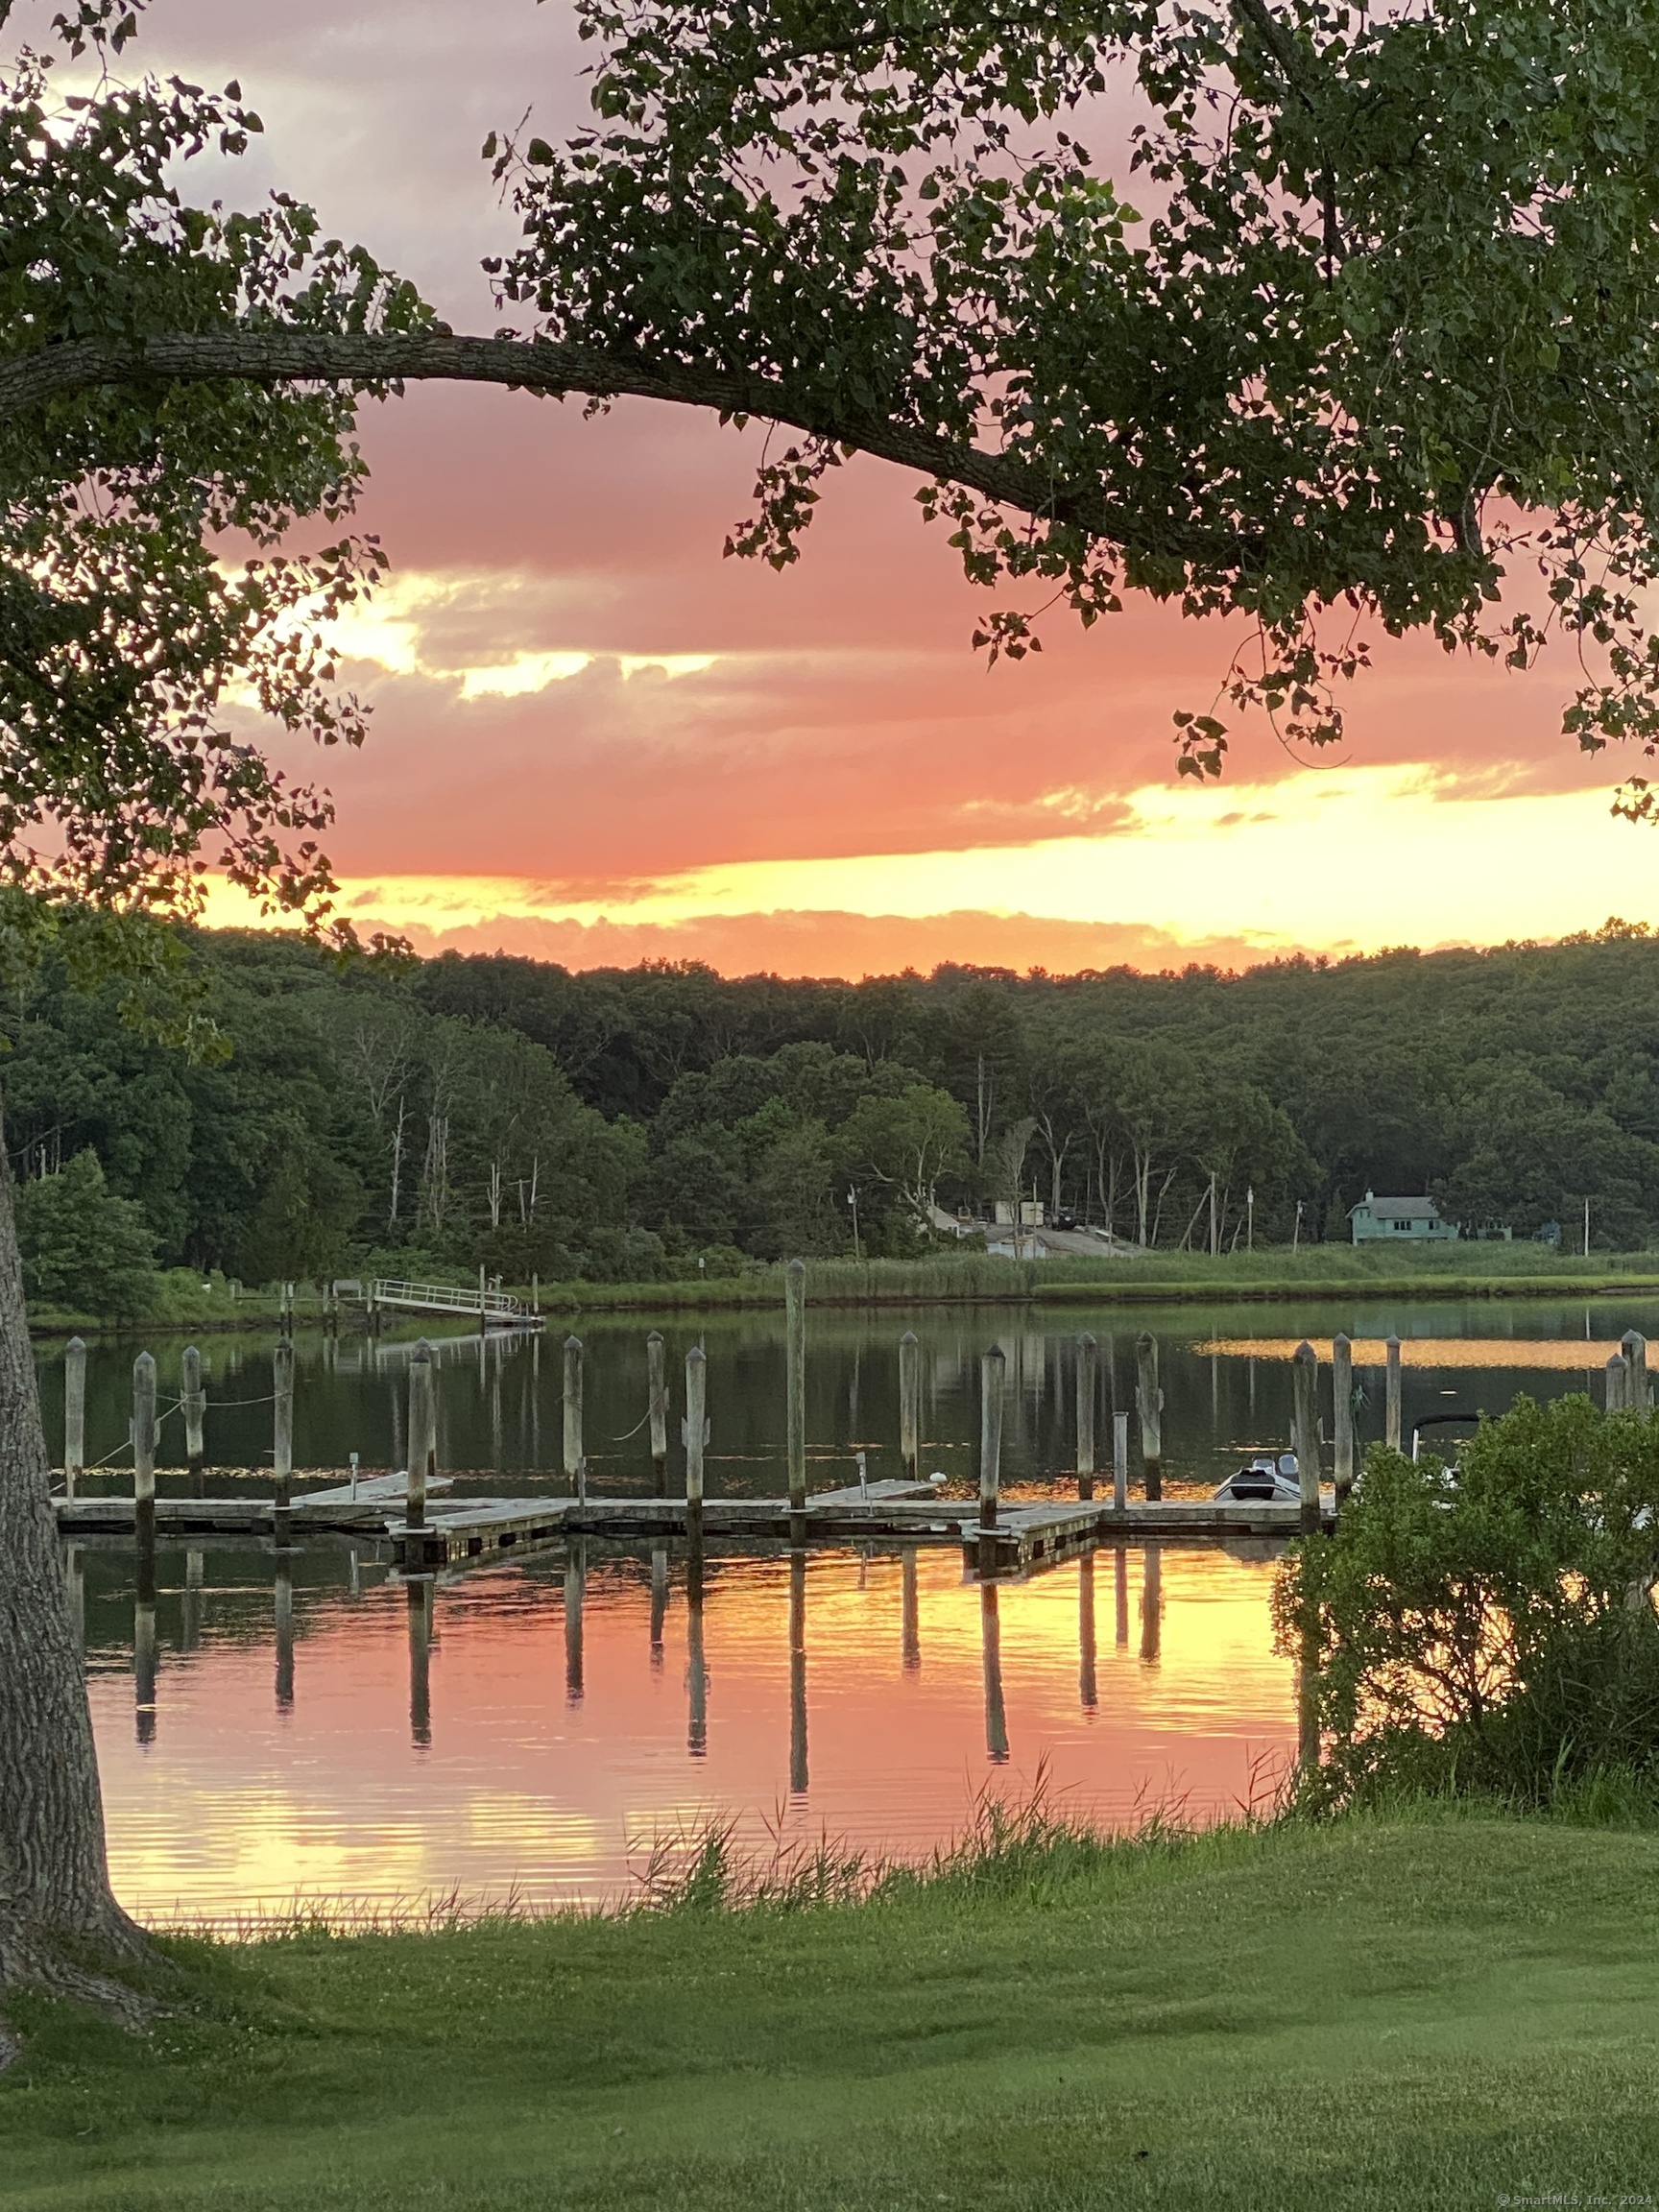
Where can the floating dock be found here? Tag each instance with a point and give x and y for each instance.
(455, 1531)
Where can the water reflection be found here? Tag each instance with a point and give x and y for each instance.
(991, 1659)
(388, 1775)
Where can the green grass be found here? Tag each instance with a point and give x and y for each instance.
(1163, 1279)
(1440, 2011)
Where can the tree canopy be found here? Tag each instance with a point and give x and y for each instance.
(1336, 322)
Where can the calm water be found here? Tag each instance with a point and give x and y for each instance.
(307, 1725)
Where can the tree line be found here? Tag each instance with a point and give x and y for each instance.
(396, 1115)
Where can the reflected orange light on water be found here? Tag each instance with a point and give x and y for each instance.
(553, 1754)
(1557, 1352)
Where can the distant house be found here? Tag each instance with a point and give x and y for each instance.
(1396, 1221)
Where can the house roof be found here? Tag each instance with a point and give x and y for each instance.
(1398, 1209)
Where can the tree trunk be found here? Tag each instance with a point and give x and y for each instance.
(60, 1928)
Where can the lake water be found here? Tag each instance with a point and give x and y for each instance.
(305, 1725)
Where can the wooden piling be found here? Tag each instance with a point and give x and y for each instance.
(144, 1473)
(695, 1428)
(1120, 1463)
(1638, 1388)
(1391, 1397)
(193, 1405)
(1088, 1391)
(423, 1434)
(910, 1406)
(74, 1413)
(1149, 1399)
(1087, 1694)
(991, 1650)
(1305, 1430)
(795, 1380)
(1342, 1415)
(909, 1613)
(1617, 1383)
(282, 1434)
(575, 1460)
(798, 1769)
(993, 1368)
(1120, 1594)
(657, 1389)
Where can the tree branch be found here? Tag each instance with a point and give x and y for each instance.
(364, 360)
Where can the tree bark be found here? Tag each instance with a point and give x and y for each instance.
(60, 1928)
(369, 359)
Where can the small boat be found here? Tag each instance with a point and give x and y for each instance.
(1268, 1479)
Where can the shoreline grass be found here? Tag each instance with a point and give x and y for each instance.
(1433, 2009)
(980, 1279)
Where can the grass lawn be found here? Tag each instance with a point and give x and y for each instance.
(1448, 2011)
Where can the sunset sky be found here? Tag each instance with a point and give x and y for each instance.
(596, 740)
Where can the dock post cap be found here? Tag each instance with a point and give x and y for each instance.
(909, 1337)
(572, 1344)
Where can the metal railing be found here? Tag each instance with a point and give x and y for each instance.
(446, 1298)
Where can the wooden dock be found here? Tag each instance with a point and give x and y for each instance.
(455, 1531)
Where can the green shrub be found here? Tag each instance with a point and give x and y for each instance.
(85, 1250)
(1492, 1631)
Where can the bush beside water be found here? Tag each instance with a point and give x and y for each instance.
(1490, 1633)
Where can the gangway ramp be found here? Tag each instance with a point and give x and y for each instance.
(493, 1309)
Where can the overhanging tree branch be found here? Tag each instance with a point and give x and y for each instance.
(366, 360)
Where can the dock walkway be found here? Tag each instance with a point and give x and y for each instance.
(459, 1530)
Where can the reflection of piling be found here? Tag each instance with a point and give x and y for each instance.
(1151, 1602)
(1638, 1389)
(282, 1435)
(144, 1474)
(282, 1607)
(423, 1434)
(575, 1591)
(659, 1604)
(1342, 1416)
(75, 1582)
(993, 1369)
(1086, 1694)
(1617, 1383)
(1305, 1430)
(74, 1413)
(191, 1604)
(657, 1387)
(1149, 1398)
(193, 1405)
(1391, 1397)
(798, 1673)
(910, 1406)
(991, 1645)
(696, 1670)
(696, 1435)
(575, 1460)
(909, 1613)
(420, 1662)
(1088, 1357)
(795, 1382)
(1120, 1579)
(144, 1666)
(1120, 1462)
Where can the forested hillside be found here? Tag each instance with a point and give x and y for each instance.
(405, 1115)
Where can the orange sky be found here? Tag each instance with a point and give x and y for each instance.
(596, 740)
